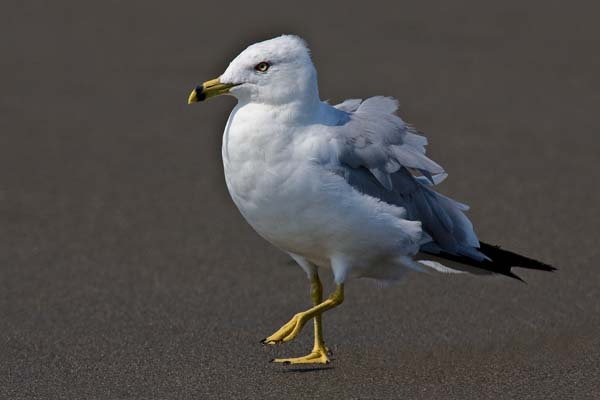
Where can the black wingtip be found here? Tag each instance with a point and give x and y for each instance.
(515, 276)
(511, 259)
(500, 261)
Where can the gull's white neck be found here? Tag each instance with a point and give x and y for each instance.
(303, 108)
(257, 141)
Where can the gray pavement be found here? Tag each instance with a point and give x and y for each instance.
(127, 273)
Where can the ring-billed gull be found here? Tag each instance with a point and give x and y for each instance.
(345, 187)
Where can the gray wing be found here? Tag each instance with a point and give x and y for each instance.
(377, 139)
(379, 155)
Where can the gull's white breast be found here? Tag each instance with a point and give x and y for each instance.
(275, 176)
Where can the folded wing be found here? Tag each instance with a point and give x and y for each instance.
(377, 139)
(383, 157)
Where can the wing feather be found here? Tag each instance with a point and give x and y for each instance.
(377, 151)
(375, 138)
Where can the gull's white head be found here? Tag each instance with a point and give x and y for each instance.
(278, 71)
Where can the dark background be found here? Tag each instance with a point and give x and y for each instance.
(127, 272)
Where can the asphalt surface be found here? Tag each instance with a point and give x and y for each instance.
(126, 271)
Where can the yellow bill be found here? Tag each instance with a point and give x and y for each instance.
(209, 89)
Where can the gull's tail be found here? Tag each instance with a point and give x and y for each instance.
(498, 261)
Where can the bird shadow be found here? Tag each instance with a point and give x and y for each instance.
(305, 370)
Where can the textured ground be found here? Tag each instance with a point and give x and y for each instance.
(126, 271)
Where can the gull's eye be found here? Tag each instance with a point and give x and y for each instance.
(262, 66)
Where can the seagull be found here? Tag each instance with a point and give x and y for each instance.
(344, 187)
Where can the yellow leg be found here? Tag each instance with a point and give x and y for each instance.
(290, 330)
(316, 295)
